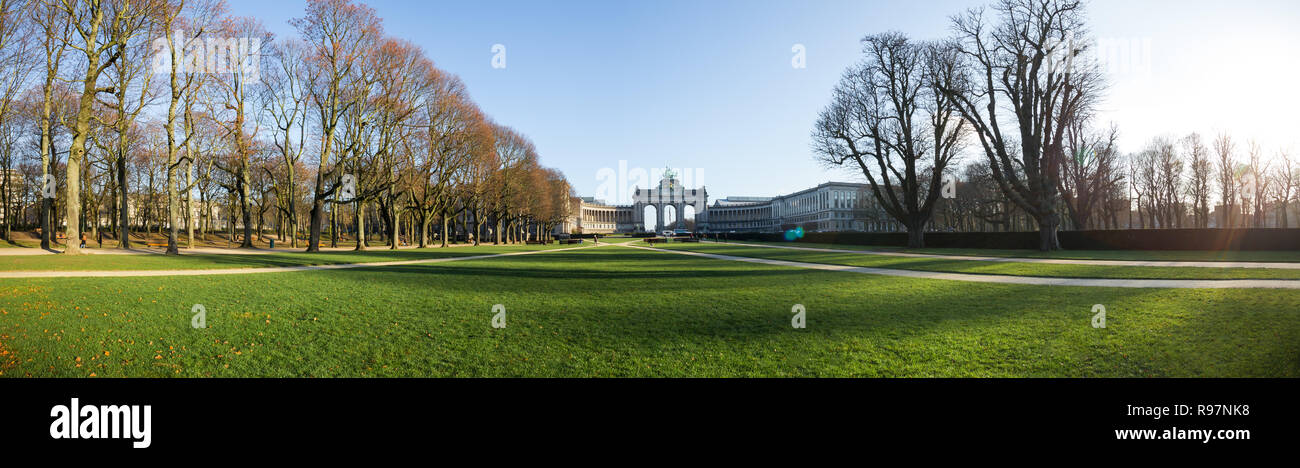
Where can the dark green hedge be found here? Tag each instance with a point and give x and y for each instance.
(1128, 239)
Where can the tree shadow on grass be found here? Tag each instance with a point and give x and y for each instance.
(329, 258)
(1246, 335)
(482, 275)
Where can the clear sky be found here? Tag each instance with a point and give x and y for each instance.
(709, 85)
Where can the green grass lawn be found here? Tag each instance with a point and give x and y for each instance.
(983, 267)
(249, 260)
(616, 311)
(1154, 255)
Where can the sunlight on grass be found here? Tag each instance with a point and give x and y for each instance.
(625, 312)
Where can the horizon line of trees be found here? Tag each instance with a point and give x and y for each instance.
(156, 114)
(1018, 82)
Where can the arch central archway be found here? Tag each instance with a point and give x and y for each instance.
(671, 217)
(670, 194)
(650, 213)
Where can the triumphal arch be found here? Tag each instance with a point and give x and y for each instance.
(670, 192)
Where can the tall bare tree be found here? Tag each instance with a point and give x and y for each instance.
(1256, 175)
(54, 26)
(16, 44)
(230, 105)
(338, 32)
(284, 99)
(100, 33)
(1198, 183)
(1285, 179)
(183, 25)
(1031, 64)
(890, 119)
(1226, 177)
(1089, 174)
(131, 81)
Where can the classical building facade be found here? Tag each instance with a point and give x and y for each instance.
(832, 206)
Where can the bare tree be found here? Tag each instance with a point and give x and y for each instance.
(54, 26)
(1226, 176)
(1089, 175)
(284, 99)
(1169, 183)
(515, 154)
(1031, 64)
(229, 105)
(1198, 185)
(100, 34)
(337, 32)
(1144, 173)
(1285, 179)
(891, 120)
(131, 81)
(15, 66)
(181, 29)
(1254, 179)
(478, 178)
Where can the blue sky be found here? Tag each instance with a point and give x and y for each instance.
(709, 85)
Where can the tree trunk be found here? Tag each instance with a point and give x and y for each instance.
(478, 228)
(124, 222)
(1047, 229)
(443, 215)
(395, 227)
(246, 214)
(361, 226)
(317, 218)
(915, 237)
(424, 228)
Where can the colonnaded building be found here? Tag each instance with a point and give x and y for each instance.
(832, 206)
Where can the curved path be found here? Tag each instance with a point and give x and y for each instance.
(1004, 279)
(1050, 261)
(252, 270)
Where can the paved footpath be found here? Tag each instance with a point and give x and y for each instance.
(1004, 279)
(252, 270)
(1050, 261)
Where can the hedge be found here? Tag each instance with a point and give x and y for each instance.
(1125, 239)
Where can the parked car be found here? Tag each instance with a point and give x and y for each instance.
(668, 233)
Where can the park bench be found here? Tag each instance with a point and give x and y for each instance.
(656, 240)
(688, 239)
(535, 242)
(573, 241)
